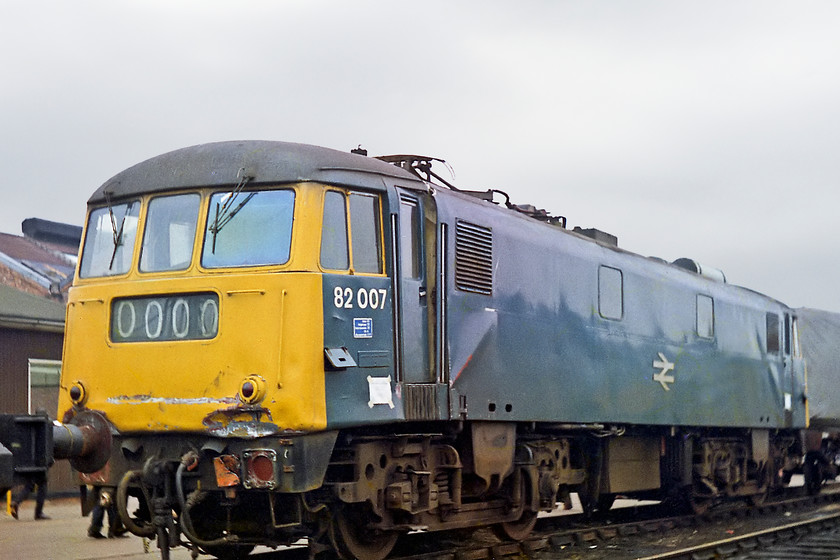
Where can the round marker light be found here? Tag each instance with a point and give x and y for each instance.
(78, 393)
(248, 390)
(252, 389)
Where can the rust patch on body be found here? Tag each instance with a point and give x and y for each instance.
(148, 398)
(227, 467)
(240, 421)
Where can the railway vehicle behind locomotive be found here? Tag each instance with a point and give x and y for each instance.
(279, 341)
(820, 333)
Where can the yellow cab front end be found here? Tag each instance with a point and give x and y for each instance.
(168, 333)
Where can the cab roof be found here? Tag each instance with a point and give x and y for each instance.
(263, 162)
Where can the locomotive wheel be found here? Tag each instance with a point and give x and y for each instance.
(699, 504)
(517, 530)
(352, 538)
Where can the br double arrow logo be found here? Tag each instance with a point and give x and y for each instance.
(664, 366)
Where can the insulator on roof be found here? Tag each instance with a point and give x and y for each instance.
(705, 271)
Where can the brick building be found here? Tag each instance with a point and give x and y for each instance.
(36, 270)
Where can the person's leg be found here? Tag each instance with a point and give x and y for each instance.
(40, 498)
(19, 495)
(115, 526)
(97, 515)
(14, 504)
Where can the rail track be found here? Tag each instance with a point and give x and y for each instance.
(786, 528)
(814, 539)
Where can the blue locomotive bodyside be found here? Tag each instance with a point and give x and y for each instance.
(560, 328)
(536, 323)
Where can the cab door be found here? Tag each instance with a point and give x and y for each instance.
(413, 314)
(360, 372)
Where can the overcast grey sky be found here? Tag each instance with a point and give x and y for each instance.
(705, 129)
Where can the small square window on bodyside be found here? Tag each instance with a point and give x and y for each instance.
(610, 293)
(705, 316)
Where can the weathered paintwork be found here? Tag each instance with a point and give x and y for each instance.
(271, 326)
(539, 350)
(191, 385)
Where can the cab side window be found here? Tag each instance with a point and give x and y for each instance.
(409, 238)
(335, 254)
(364, 225)
(773, 334)
(351, 233)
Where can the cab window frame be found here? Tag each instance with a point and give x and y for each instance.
(91, 251)
(209, 216)
(367, 233)
(332, 255)
(191, 245)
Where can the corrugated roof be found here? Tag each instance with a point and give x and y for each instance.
(25, 311)
(26, 262)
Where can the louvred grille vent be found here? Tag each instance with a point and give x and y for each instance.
(473, 258)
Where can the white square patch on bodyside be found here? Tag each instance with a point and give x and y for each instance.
(380, 391)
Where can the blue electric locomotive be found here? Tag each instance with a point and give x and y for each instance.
(286, 341)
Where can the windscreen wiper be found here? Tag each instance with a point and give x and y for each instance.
(225, 212)
(118, 234)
